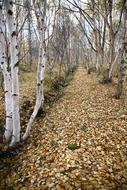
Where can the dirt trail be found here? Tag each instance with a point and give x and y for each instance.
(86, 116)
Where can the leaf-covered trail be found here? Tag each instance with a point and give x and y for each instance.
(88, 116)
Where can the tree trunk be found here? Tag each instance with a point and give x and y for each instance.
(14, 53)
(29, 35)
(6, 79)
(41, 24)
(123, 57)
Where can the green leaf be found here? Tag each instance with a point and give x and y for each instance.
(73, 146)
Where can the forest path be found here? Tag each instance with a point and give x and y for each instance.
(86, 117)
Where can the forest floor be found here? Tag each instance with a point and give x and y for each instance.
(81, 143)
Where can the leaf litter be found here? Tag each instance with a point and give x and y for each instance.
(86, 119)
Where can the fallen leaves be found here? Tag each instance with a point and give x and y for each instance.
(89, 122)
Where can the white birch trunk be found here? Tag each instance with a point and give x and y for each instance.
(7, 79)
(14, 71)
(114, 62)
(41, 23)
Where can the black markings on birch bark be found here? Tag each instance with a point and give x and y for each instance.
(8, 116)
(14, 33)
(11, 2)
(14, 94)
(38, 84)
(10, 12)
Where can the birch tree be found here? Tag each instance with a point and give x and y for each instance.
(40, 13)
(6, 76)
(123, 56)
(14, 59)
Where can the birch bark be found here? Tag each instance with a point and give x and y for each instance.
(6, 77)
(123, 56)
(41, 26)
(14, 56)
